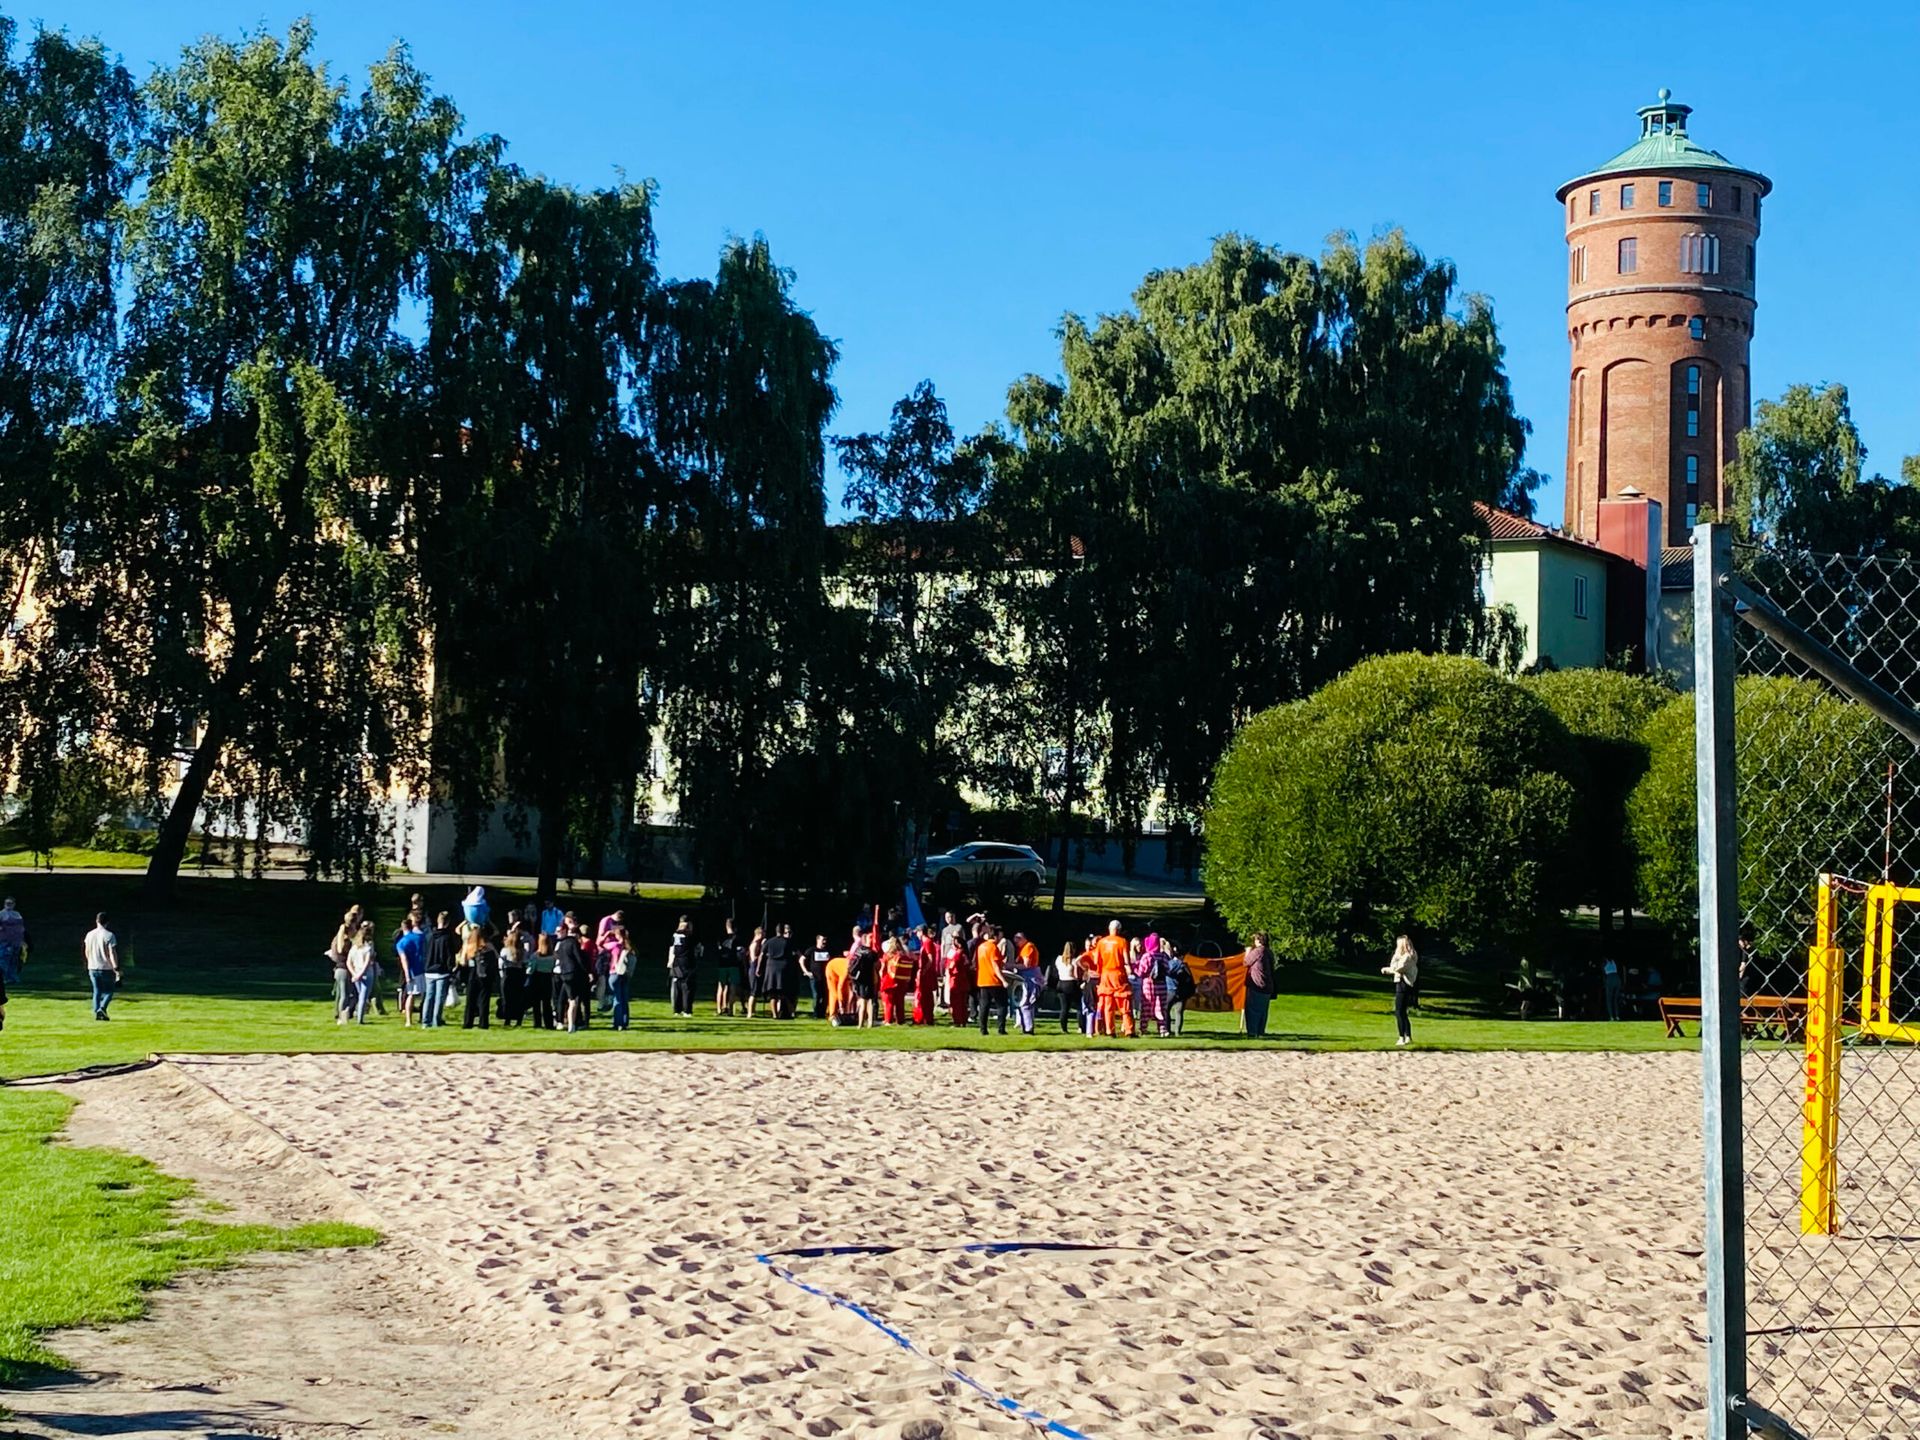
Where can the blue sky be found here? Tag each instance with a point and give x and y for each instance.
(947, 181)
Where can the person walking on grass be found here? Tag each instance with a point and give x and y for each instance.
(1031, 977)
(337, 955)
(727, 972)
(410, 949)
(483, 972)
(1066, 984)
(1111, 954)
(620, 976)
(363, 970)
(1404, 967)
(514, 954)
(102, 951)
(814, 966)
(540, 981)
(863, 977)
(990, 979)
(680, 969)
(573, 980)
(442, 953)
(13, 942)
(926, 977)
(957, 957)
(1259, 986)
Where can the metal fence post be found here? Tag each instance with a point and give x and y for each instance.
(1713, 670)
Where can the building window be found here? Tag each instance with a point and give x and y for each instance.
(1756, 207)
(1693, 424)
(1693, 379)
(1700, 254)
(1579, 597)
(1629, 256)
(1736, 200)
(1704, 194)
(1577, 264)
(1693, 482)
(1593, 202)
(1666, 192)
(1626, 197)
(1693, 516)
(1752, 272)
(1697, 328)
(1569, 207)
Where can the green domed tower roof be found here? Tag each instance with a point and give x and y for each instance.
(1665, 145)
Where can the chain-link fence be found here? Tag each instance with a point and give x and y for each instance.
(1808, 669)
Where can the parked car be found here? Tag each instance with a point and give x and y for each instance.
(1018, 867)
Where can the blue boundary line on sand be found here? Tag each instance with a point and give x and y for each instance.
(1005, 1403)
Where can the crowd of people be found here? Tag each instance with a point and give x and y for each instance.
(548, 968)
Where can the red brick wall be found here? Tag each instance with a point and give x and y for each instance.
(1631, 344)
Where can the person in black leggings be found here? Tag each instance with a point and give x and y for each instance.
(483, 973)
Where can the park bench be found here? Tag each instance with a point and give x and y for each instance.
(1771, 1016)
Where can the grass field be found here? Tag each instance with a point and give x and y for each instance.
(89, 1232)
(238, 965)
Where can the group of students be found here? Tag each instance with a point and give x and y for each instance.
(541, 966)
(977, 973)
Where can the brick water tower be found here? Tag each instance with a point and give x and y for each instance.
(1660, 293)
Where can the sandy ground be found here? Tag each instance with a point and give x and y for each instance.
(1289, 1245)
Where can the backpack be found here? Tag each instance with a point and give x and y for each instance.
(1184, 985)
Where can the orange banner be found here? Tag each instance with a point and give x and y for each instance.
(1220, 981)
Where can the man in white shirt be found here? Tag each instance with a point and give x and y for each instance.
(102, 949)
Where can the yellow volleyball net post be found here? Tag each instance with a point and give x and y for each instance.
(1820, 1118)
(1826, 1024)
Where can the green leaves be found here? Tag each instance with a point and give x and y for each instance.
(1413, 791)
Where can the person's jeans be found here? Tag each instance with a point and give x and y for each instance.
(342, 991)
(992, 998)
(1176, 1016)
(102, 982)
(817, 982)
(621, 1015)
(1025, 1006)
(362, 997)
(1257, 1001)
(1069, 1004)
(434, 1003)
(1612, 988)
(1403, 997)
(680, 996)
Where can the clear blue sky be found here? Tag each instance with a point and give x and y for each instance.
(948, 180)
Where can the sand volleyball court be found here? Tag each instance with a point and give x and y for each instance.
(1396, 1244)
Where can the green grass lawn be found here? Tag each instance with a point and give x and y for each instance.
(89, 1232)
(236, 966)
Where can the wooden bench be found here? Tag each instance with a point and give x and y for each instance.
(1784, 1016)
(1673, 1011)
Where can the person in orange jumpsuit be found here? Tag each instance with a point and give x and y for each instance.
(926, 977)
(1116, 987)
(902, 966)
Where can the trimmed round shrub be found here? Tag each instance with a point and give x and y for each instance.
(1811, 767)
(1415, 792)
(1606, 712)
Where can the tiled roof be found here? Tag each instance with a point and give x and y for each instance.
(1505, 525)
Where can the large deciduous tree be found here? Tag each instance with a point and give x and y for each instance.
(1269, 466)
(740, 401)
(251, 612)
(537, 544)
(911, 563)
(68, 117)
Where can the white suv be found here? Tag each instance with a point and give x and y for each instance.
(965, 866)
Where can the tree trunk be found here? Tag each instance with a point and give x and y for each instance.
(553, 831)
(170, 845)
(1066, 822)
